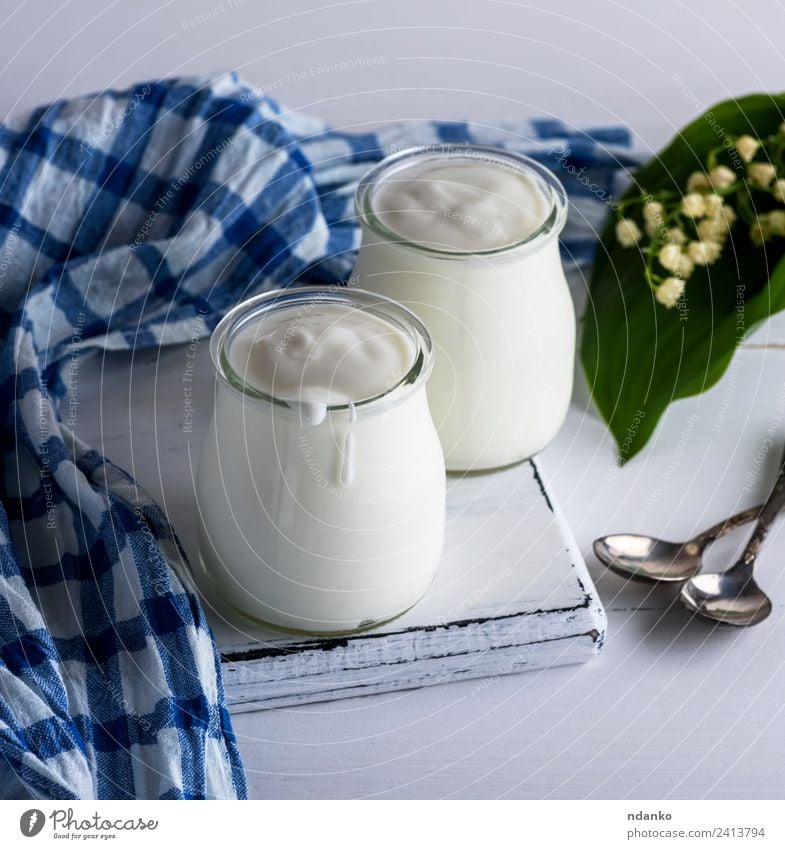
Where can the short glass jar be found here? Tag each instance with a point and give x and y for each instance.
(286, 536)
(502, 319)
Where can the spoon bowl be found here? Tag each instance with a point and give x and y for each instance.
(731, 598)
(644, 558)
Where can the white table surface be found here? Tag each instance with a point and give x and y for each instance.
(671, 708)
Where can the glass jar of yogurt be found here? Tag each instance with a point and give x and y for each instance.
(321, 483)
(467, 238)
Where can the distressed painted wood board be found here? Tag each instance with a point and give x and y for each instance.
(512, 594)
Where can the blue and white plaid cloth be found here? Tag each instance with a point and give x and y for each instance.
(123, 217)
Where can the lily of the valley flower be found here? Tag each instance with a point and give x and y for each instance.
(712, 205)
(652, 217)
(776, 222)
(698, 182)
(747, 147)
(759, 231)
(721, 177)
(693, 204)
(669, 291)
(726, 216)
(761, 174)
(766, 225)
(627, 232)
(718, 221)
(673, 259)
(704, 252)
(712, 230)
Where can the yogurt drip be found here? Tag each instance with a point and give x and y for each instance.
(347, 471)
(467, 207)
(322, 356)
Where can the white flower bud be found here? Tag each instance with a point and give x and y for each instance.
(670, 257)
(721, 177)
(747, 147)
(628, 233)
(712, 230)
(652, 218)
(676, 236)
(727, 216)
(761, 174)
(693, 205)
(713, 204)
(704, 253)
(698, 182)
(759, 231)
(776, 222)
(778, 191)
(669, 291)
(674, 260)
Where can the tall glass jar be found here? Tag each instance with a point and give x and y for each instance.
(502, 319)
(286, 535)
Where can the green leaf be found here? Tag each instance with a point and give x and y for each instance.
(639, 356)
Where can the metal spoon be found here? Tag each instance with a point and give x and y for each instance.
(733, 597)
(644, 558)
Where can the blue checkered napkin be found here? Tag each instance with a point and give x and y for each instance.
(123, 218)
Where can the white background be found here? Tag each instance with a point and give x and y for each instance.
(583, 60)
(671, 708)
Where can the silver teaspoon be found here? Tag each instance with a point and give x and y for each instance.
(732, 597)
(644, 558)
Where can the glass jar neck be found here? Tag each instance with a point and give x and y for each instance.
(303, 300)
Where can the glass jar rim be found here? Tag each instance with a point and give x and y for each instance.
(385, 308)
(414, 156)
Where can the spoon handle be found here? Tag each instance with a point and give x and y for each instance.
(728, 525)
(768, 513)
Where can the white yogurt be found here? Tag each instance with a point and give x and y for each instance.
(321, 483)
(328, 355)
(467, 238)
(461, 208)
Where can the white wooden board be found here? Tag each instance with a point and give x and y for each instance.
(512, 594)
